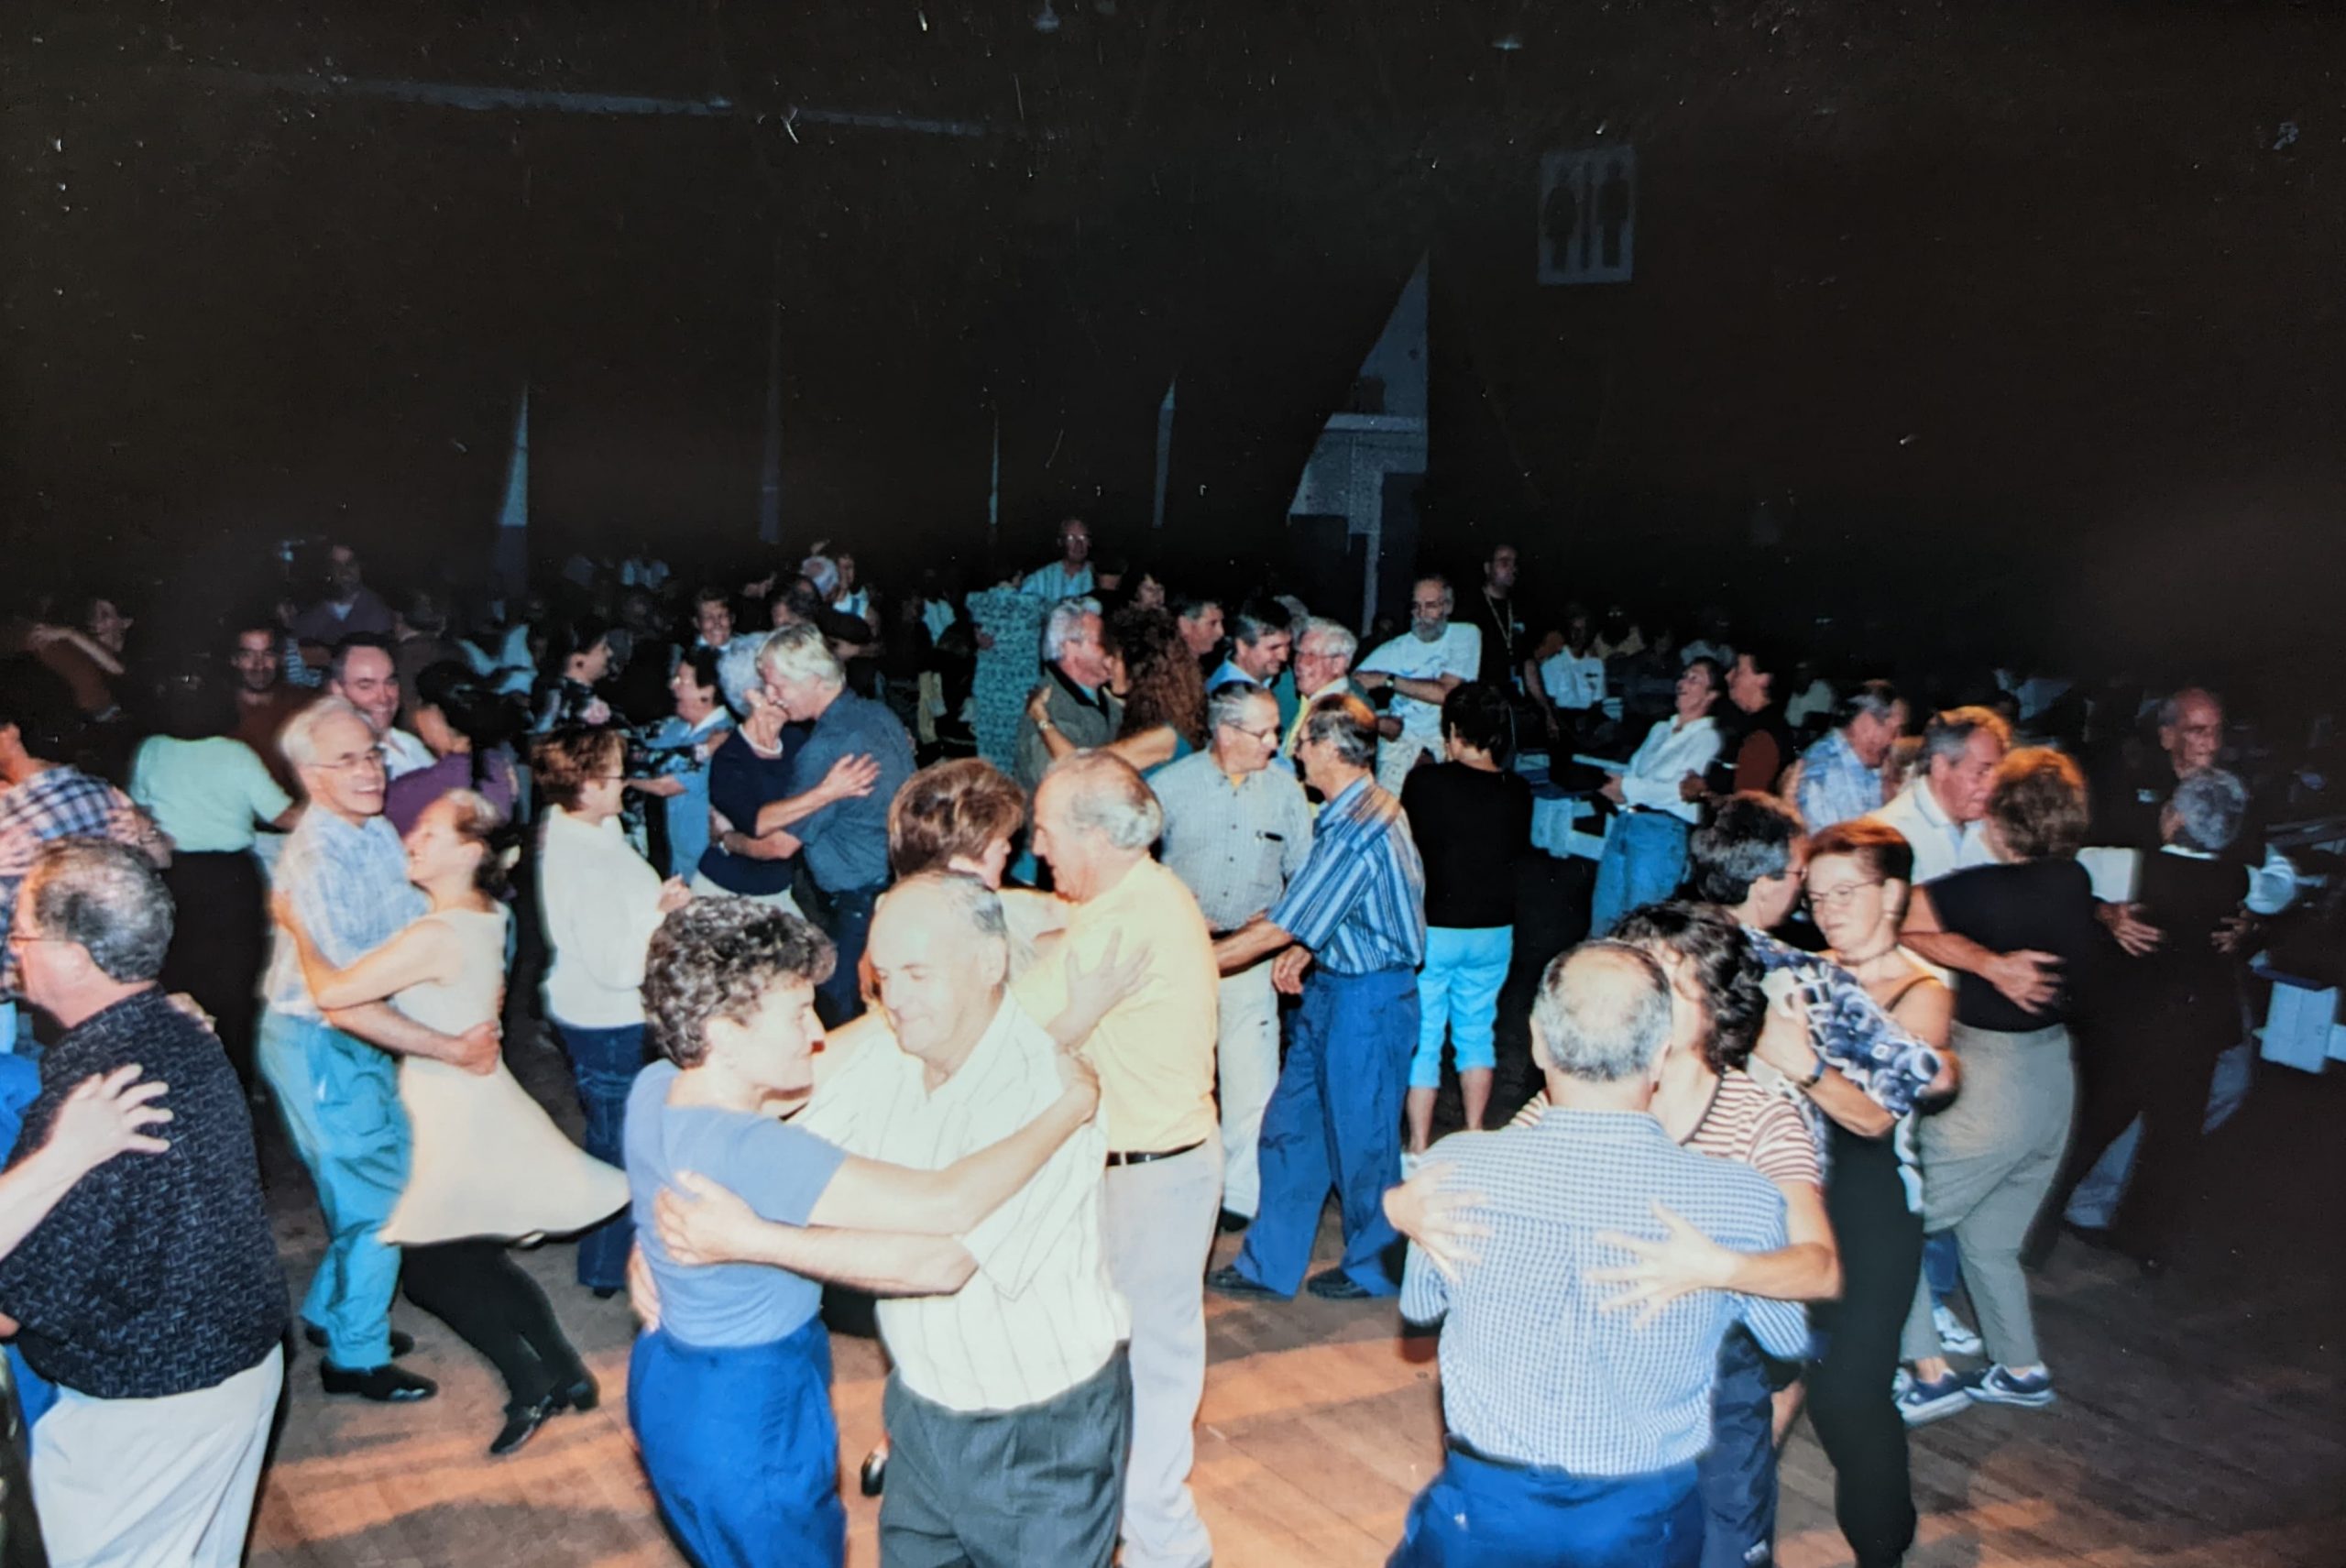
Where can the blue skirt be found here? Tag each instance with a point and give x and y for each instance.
(741, 1449)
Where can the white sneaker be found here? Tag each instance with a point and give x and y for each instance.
(1956, 1336)
(1409, 1163)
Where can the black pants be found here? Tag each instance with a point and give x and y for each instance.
(477, 1288)
(216, 936)
(2164, 1078)
(1849, 1391)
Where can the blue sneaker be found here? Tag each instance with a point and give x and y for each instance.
(1923, 1401)
(1995, 1386)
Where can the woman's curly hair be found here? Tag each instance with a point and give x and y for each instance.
(720, 957)
(1166, 686)
(1725, 966)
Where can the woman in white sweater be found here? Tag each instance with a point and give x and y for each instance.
(600, 902)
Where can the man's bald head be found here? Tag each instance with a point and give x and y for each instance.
(1603, 1014)
(940, 954)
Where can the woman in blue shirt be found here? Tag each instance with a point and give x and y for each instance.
(729, 1394)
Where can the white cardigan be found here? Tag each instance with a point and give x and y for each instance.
(600, 902)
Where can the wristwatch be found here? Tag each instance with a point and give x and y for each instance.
(1816, 1076)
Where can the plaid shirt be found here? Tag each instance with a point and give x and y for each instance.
(1532, 1371)
(1835, 786)
(1359, 903)
(60, 803)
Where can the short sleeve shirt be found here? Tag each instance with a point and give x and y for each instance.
(778, 1170)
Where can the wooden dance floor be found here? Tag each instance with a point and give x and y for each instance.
(2202, 1418)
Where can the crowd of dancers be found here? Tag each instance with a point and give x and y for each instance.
(990, 953)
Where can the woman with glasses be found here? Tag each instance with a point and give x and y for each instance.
(601, 902)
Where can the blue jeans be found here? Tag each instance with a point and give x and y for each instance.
(840, 998)
(1736, 1475)
(605, 1062)
(1477, 1514)
(1335, 1120)
(1459, 990)
(741, 1447)
(1643, 861)
(340, 1099)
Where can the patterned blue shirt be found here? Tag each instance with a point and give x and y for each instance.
(1532, 1371)
(1835, 786)
(1864, 1044)
(350, 892)
(1359, 903)
(847, 841)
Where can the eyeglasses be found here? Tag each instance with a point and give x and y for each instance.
(20, 938)
(356, 760)
(1839, 897)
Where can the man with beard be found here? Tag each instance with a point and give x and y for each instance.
(1422, 666)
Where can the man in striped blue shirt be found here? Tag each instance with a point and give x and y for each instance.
(1356, 918)
(1574, 1425)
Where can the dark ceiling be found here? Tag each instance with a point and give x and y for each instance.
(2025, 319)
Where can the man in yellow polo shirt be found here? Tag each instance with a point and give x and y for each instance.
(1094, 821)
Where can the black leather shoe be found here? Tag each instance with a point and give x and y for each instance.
(522, 1424)
(580, 1393)
(1231, 1223)
(387, 1384)
(1336, 1285)
(1228, 1281)
(401, 1343)
(873, 1477)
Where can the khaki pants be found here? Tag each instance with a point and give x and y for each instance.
(155, 1482)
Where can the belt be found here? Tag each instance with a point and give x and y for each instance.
(1117, 1157)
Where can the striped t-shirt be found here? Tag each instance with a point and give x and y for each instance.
(1745, 1123)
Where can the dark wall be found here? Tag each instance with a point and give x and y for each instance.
(2013, 315)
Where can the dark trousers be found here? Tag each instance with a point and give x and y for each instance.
(1040, 1486)
(477, 1288)
(605, 1062)
(1849, 1390)
(740, 1448)
(1736, 1475)
(1478, 1514)
(847, 917)
(217, 944)
(1334, 1121)
(2165, 1079)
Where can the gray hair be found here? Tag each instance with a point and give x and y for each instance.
(2171, 710)
(1329, 639)
(1107, 796)
(1950, 731)
(737, 670)
(1347, 723)
(2209, 806)
(1297, 612)
(1231, 700)
(979, 907)
(1066, 621)
(1603, 1012)
(299, 740)
(799, 653)
(107, 897)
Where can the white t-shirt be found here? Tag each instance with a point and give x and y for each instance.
(1457, 651)
(1573, 681)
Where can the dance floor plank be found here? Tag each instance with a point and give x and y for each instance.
(2202, 1424)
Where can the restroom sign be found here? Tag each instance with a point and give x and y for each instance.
(1588, 215)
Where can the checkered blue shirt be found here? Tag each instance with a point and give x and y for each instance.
(1835, 786)
(1531, 1371)
(1360, 901)
(56, 803)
